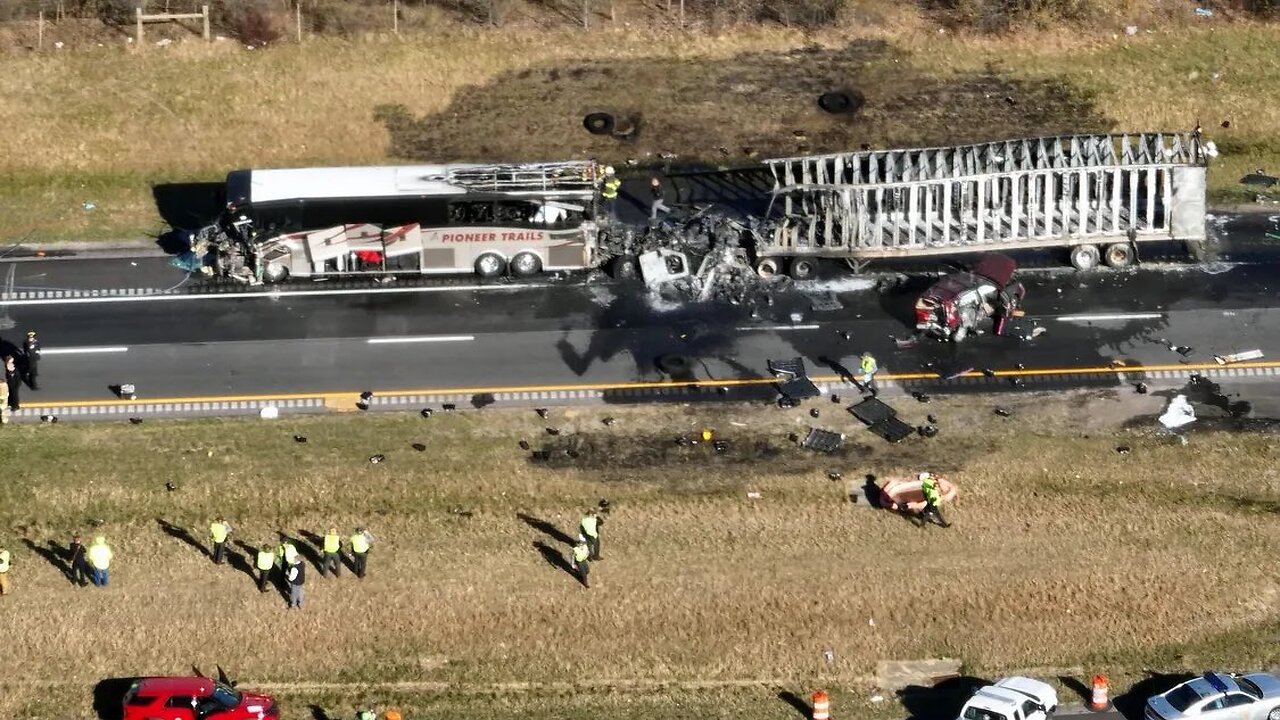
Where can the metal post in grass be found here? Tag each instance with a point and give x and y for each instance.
(40, 31)
(297, 19)
(395, 16)
(681, 14)
(204, 10)
(586, 14)
(138, 31)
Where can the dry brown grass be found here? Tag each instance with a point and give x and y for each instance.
(1063, 551)
(104, 124)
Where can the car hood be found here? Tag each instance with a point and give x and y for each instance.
(950, 286)
(1042, 692)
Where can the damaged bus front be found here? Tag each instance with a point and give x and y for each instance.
(406, 220)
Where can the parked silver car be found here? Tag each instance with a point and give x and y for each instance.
(1219, 696)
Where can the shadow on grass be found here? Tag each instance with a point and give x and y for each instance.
(190, 205)
(1131, 703)
(308, 551)
(800, 704)
(53, 553)
(942, 701)
(246, 560)
(108, 697)
(318, 713)
(554, 558)
(184, 535)
(1075, 685)
(546, 528)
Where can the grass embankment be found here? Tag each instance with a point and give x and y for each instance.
(103, 124)
(1064, 554)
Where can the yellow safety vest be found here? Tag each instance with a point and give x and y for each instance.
(332, 543)
(100, 556)
(610, 190)
(930, 489)
(4, 561)
(265, 560)
(589, 526)
(288, 552)
(581, 553)
(359, 544)
(868, 365)
(219, 531)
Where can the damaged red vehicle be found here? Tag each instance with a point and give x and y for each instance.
(194, 698)
(958, 304)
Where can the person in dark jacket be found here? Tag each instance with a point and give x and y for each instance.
(296, 575)
(79, 563)
(13, 379)
(31, 348)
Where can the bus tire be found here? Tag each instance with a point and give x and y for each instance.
(598, 123)
(526, 264)
(1119, 255)
(803, 268)
(1085, 257)
(624, 267)
(490, 265)
(768, 267)
(275, 272)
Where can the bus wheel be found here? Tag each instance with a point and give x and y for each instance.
(526, 264)
(1085, 257)
(624, 267)
(803, 268)
(490, 265)
(1119, 255)
(275, 272)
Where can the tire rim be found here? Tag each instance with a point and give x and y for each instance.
(489, 265)
(1119, 256)
(525, 264)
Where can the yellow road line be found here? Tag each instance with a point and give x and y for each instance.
(346, 399)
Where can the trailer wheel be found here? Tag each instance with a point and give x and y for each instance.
(1085, 257)
(490, 265)
(624, 267)
(526, 264)
(598, 123)
(1119, 255)
(803, 268)
(768, 267)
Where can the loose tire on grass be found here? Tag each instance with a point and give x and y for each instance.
(598, 123)
(835, 102)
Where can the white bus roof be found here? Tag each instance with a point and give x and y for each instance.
(350, 182)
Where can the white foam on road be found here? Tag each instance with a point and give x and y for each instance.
(838, 285)
(269, 295)
(420, 339)
(1111, 317)
(779, 328)
(83, 350)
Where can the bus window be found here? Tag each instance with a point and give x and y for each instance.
(516, 212)
(475, 212)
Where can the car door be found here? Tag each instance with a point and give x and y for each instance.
(179, 707)
(1238, 706)
(1031, 710)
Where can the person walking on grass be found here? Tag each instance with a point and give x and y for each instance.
(296, 576)
(582, 563)
(6, 560)
(264, 563)
(589, 532)
(100, 556)
(932, 500)
(80, 570)
(218, 531)
(332, 547)
(286, 551)
(361, 542)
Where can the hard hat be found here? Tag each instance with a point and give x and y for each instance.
(925, 476)
(655, 182)
(608, 169)
(31, 333)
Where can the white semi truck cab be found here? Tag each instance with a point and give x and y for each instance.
(1013, 698)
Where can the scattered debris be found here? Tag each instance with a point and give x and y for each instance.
(170, 486)
(49, 419)
(88, 205)
(553, 431)
(1259, 179)
(908, 343)
(921, 397)
(813, 412)
(1017, 382)
(720, 446)
(135, 420)
(834, 475)
(1204, 12)
(1178, 413)
(299, 438)
(426, 412)
(1003, 412)
(754, 495)
(822, 440)
(835, 399)
(448, 407)
(542, 412)
(1131, 30)
(608, 422)
(927, 431)
(365, 398)
(377, 458)
(988, 372)
(524, 444)
(270, 412)
(795, 384)
(419, 447)
(1183, 350)
(1124, 449)
(1141, 388)
(1238, 357)
(1036, 332)
(125, 391)
(932, 419)
(881, 420)
(877, 698)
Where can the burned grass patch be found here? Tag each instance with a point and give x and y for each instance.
(605, 452)
(811, 99)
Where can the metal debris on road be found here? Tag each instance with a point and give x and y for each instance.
(1124, 449)
(426, 412)
(366, 398)
(419, 447)
(1141, 388)
(1238, 357)
(795, 384)
(1183, 350)
(881, 420)
(921, 397)
(822, 440)
(299, 438)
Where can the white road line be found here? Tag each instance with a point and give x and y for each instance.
(748, 328)
(423, 339)
(270, 295)
(1112, 317)
(84, 350)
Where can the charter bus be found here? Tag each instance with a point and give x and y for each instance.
(419, 219)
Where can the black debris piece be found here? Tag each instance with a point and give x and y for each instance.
(720, 446)
(927, 431)
(49, 419)
(891, 429)
(553, 431)
(921, 396)
(299, 438)
(482, 400)
(1017, 382)
(933, 419)
(813, 412)
(448, 407)
(135, 420)
(1260, 179)
(419, 447)
(170, 486)
(794, 384)
(541, 455)
(608, 422)
(1003, 412)
(1141, 388)
(785, 402)
(793, 437)
(571, 453)
(844, 334)
(1124, 449)
(366, 398)
(1020, 366)
(872, 410)
(988, 372)
(542, 412)
(524, 444)
(377, 458)
(834, 475)
(822, 440)
(835, 399)
(426, 412)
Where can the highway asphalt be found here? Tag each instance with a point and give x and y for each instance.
(572, 331)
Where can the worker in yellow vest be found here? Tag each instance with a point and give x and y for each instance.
(265, 561)
(609, 192)
(332, 552)
(361, 541)
(932, 500)
(5, 561)
(100, 556)
(582, 563)
(218, 531)
(589, 532)
(286, 552)
(868, 368)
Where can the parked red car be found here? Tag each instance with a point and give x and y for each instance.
(194, 698)
(956, 305)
